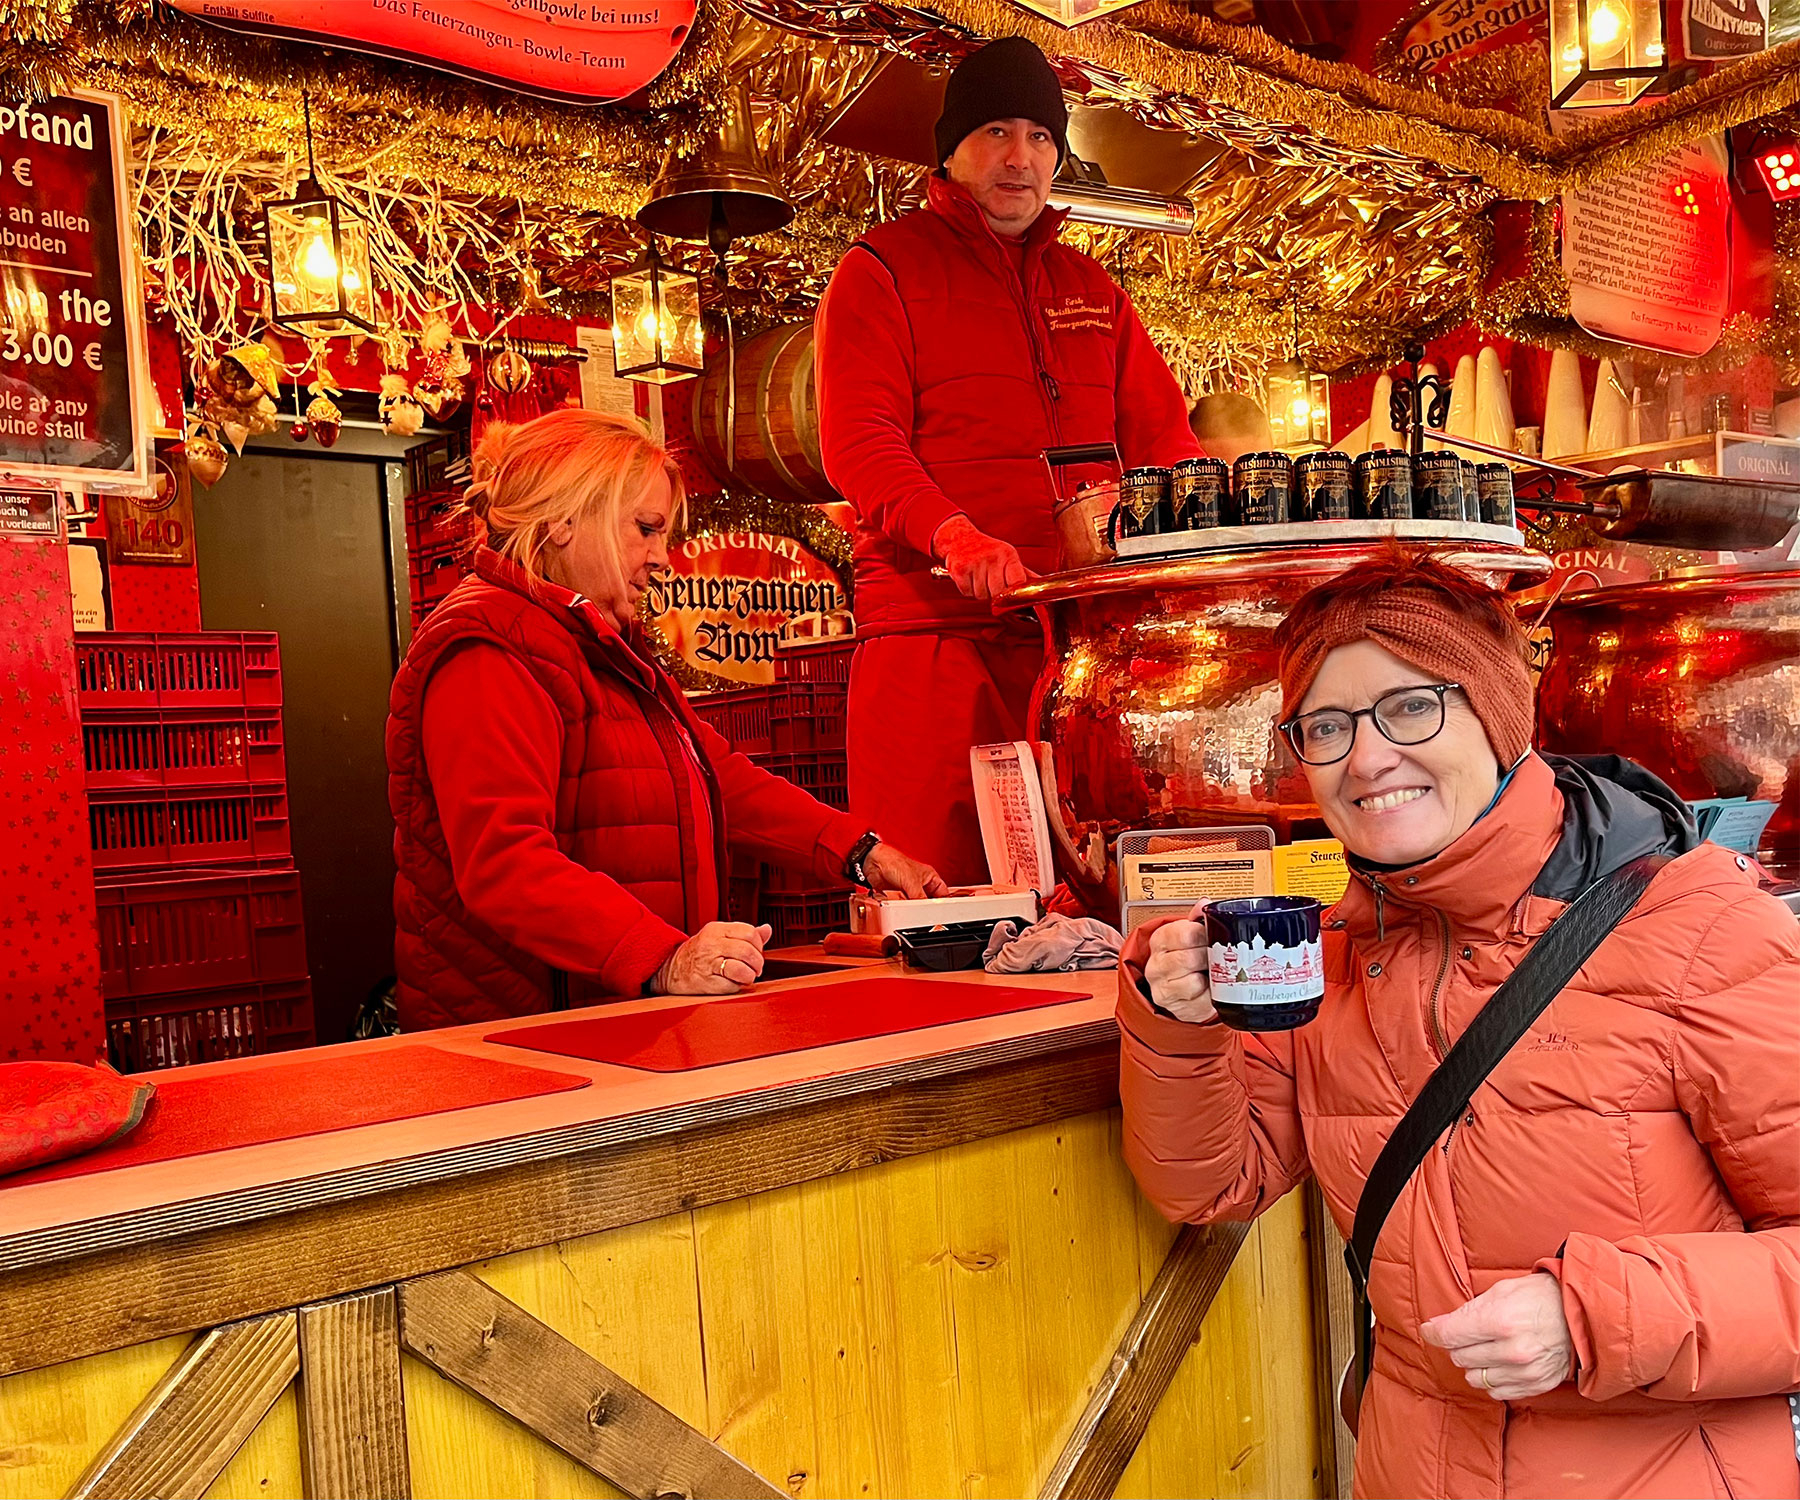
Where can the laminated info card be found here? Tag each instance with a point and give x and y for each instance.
(1203, 874)
(1315, 868)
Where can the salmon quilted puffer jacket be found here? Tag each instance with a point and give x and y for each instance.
(1641, 1143)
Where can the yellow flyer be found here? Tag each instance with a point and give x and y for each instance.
(1315, 869)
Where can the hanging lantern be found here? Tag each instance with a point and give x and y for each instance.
(1604, 52)
(656, 329)
(1297, 400)
(320, 275)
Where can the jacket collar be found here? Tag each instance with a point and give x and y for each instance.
(576, 612)
(1480, 882)
(951, 202)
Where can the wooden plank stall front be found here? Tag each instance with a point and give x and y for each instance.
(903, 1265)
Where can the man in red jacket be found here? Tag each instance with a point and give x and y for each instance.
(956, 344)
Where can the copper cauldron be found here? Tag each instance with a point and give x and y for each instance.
(1159, 699)
(1695, 677)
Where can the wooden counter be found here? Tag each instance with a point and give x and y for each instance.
(897, 1266)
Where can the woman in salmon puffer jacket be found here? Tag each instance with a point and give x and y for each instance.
(1591, 1285)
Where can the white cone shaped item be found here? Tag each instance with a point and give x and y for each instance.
(1609, 425)
(1565, 412)
(1381, 432)
(1461, 422)
(1493, 401)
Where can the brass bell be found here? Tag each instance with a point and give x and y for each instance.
(724, 193)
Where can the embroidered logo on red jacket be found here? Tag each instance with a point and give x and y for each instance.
(1072, 314)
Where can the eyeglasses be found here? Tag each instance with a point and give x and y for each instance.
(1405, 716)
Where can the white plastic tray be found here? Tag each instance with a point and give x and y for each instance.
(1299, 533)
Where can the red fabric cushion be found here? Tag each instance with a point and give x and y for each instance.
(723, 1031)
(49, 1110)
(332, 1089)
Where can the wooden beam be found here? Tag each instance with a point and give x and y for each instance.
(186, 1430)
(466, 1330)
(352, 1414)
(1334, 1337)
(1167, 1324)
(114, 1298)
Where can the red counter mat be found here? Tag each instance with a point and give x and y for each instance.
(727, 1031)
(334, 1088)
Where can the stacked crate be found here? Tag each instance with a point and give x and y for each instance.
(794, 728)
(202, 947)
(439, 531)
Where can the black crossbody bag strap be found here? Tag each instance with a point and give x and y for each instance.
(1553, 961)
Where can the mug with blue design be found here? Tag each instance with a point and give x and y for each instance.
(1266, 960)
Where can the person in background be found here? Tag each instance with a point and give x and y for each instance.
(956, 344)
(1591, 1285)
(1228, 425)
(561, 817)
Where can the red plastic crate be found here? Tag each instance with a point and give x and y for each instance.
(171, 1031)
(741, 716)
(435, 573)
(211, 669)
(197, 931)
(188, 826)
(192, 747)
(805, 716)
(824, 773)
(799, 920)
(784, 881)
(436, 520)
(822, 661)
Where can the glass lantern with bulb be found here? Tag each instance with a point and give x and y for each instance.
(320, 272)
(657, 333)
(1604, 52)
(1299, 406)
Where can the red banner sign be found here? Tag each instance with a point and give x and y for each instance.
(726, 597)
(75, 395)
(579, 51)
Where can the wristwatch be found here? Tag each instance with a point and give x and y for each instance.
(853, 862)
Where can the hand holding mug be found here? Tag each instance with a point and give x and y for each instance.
(1176, 971)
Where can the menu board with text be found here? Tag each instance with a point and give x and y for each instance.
(74, 368)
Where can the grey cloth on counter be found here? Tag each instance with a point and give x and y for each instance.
(1054, 945)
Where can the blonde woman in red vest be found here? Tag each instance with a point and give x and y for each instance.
(561, 818)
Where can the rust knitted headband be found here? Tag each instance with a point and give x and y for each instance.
(1418, 621)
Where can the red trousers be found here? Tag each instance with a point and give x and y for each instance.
(917, 703)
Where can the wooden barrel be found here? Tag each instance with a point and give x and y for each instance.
(777, 416)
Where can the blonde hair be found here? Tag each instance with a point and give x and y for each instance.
(567, 465)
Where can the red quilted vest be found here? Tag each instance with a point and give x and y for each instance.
(1004, 366)
(623, 802)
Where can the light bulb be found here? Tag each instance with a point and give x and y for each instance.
(1300, 411)
(317, 263)
(1606, 30)
(352, 282)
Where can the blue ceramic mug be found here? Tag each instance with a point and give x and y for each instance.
(1267, 963)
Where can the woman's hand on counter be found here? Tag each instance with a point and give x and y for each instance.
(890, 870)
(722, 958)
(1176, 971)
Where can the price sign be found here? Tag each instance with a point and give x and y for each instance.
(74, 364)
(160, 529)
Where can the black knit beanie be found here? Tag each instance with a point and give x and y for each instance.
(1008, 79)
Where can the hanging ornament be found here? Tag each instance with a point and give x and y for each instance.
(206, 457)
(325, 417)
(394, 349)
(509, 371)
(238, 393)
(440, 388)
(298, 429)
(401, 415)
